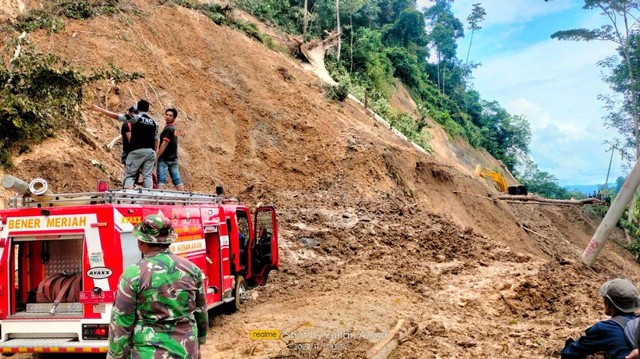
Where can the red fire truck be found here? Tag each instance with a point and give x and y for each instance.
(61, 256)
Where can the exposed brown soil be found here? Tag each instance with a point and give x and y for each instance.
(371, 229)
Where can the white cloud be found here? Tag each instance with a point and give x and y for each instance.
(554, 84)
(574, 156)
(556, 77)
(536, 115)
(507, 11)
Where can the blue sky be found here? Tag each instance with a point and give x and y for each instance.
(554, 84)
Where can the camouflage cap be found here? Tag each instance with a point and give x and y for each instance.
(155, 229)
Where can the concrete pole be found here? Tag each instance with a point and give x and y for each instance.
(606, 182)
(15, 184)
(613, 215)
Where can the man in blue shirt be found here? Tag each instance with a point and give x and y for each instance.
(620, 302)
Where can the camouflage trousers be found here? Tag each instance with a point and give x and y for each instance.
(167, 341)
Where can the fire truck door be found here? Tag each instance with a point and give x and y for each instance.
(214, 267)
(265, 246)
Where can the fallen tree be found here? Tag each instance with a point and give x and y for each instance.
(314, 51)
(541, 200)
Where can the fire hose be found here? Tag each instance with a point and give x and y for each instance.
(59, 288)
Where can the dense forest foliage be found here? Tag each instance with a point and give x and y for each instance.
(386, 41)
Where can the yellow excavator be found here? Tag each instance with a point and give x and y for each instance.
(501, 183)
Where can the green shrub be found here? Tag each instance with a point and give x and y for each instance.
(338, 92)
(215, 12)
(38, 19)
(79, 10)
(634, 246)
(277, 12)
(415, 131)
(249, 28)
(40, 95)
(218, 18)
(114, 74)
(50, 18)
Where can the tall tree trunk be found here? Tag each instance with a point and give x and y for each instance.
(469, 49)
(466, 65)
(338, 22)
(634, 104)
(438, 70)
(351, 44)
(305, 21)
(444, 80)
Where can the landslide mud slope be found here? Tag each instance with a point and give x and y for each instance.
(371, 229)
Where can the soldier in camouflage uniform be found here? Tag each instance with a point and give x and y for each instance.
(160, 308)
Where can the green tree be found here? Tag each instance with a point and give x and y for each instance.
(623, 20)
(390, 9)
(350, 7)
(371, 65)
(370, 12)
(405, 66)
(505, 136)
(445, 30)
(619, 106)
(407, 31)
(474, 19)
(541, 182)
(619, 182)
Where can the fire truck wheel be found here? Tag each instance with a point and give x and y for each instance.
(240, 293)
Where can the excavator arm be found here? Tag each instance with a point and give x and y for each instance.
(501, 183)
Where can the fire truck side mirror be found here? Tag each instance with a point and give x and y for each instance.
(219, 190)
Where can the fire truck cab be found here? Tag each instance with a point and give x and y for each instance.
(61, 256)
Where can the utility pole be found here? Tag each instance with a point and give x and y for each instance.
(613, 148)
(613, 215)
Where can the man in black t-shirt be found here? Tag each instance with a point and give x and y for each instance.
(168, 152)
(143, 144)
(125, 131)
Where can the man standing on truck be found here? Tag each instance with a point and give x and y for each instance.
(125, 132)
(168, 152)
(160, 307)
(143, 144)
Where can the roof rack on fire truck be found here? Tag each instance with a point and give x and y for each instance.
(40, 196)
